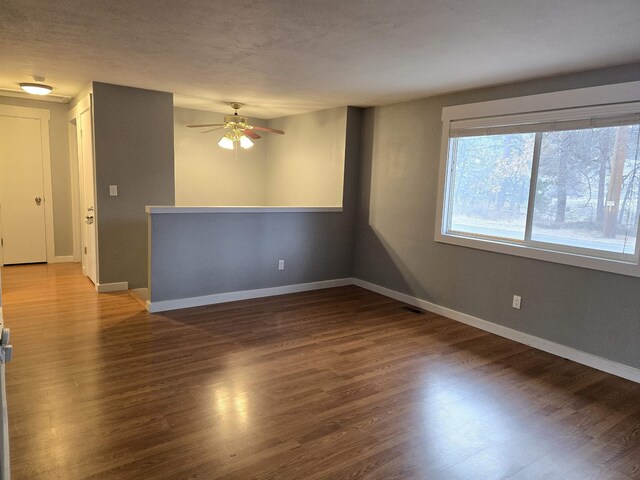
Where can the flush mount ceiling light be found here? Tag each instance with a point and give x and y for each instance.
(240, 132)
(36, 87)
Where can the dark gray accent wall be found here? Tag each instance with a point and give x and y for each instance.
(133, 137)
(592, 311)
(207, 253)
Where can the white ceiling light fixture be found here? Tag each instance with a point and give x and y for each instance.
(36, 87)
(230, 140)
(227, 142)
(245, 142)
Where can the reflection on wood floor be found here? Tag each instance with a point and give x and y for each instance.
(338, 383)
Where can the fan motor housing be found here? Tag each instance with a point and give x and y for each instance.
(235, 119)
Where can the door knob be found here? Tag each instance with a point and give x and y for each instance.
(88, 219)
(38, 201)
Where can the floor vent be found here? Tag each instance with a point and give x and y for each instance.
(415, 310)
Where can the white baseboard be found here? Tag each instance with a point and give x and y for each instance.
(61, 259)
(584, 358)
(112, 287)
(165, 305)
(599, 363)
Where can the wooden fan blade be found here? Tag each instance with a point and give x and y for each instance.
(251, 134)
(271, 130)
(212, 130)
(207, 125)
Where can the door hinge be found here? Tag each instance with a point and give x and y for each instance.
(1, 242)
(85, 250)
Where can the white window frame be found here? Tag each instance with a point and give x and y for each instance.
(614, 99)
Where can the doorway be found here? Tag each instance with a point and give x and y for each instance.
(26, 211)
(81, 134)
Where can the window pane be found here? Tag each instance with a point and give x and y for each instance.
(587, 189)
(490, 187)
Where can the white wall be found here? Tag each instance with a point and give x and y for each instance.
(206, 174)
(304, 167)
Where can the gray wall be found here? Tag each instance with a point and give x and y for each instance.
(133, 150)
(202, 254)
(592, 311)
(60, 169)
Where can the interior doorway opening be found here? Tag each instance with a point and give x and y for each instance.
(84, 206)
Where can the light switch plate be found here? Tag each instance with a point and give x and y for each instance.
(113, 190)
(517, 300)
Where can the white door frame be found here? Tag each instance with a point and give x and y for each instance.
(75, 193)
(43, 115)
(77, 190)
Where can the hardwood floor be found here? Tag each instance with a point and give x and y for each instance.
(331, 384)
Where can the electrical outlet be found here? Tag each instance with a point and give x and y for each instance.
(517, 300)
(280, 264)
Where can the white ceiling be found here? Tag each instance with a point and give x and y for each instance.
(289, 56)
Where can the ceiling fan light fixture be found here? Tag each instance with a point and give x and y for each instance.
(240, 133)
(226, 142)
(36, 88)
(245, 142)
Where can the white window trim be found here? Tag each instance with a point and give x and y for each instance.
(597, 97)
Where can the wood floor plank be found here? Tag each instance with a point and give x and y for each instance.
(329, 384)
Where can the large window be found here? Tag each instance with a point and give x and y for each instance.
(561, 185)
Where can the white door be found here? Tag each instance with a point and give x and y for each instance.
(87, 194)
(22, 211)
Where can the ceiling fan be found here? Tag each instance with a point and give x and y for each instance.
(240, 131)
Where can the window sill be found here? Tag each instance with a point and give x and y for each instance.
(620, 267)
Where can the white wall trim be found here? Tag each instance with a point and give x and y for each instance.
(163, 210)
(25, 112)
(565, 257)
(48, 190)
(83, 104)
(599, 363)
(579, 97)
(622, 98)
(62, 259)
(164, 305)
(43, 115)
(112, 287)
(584, 358)
(72, 135)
